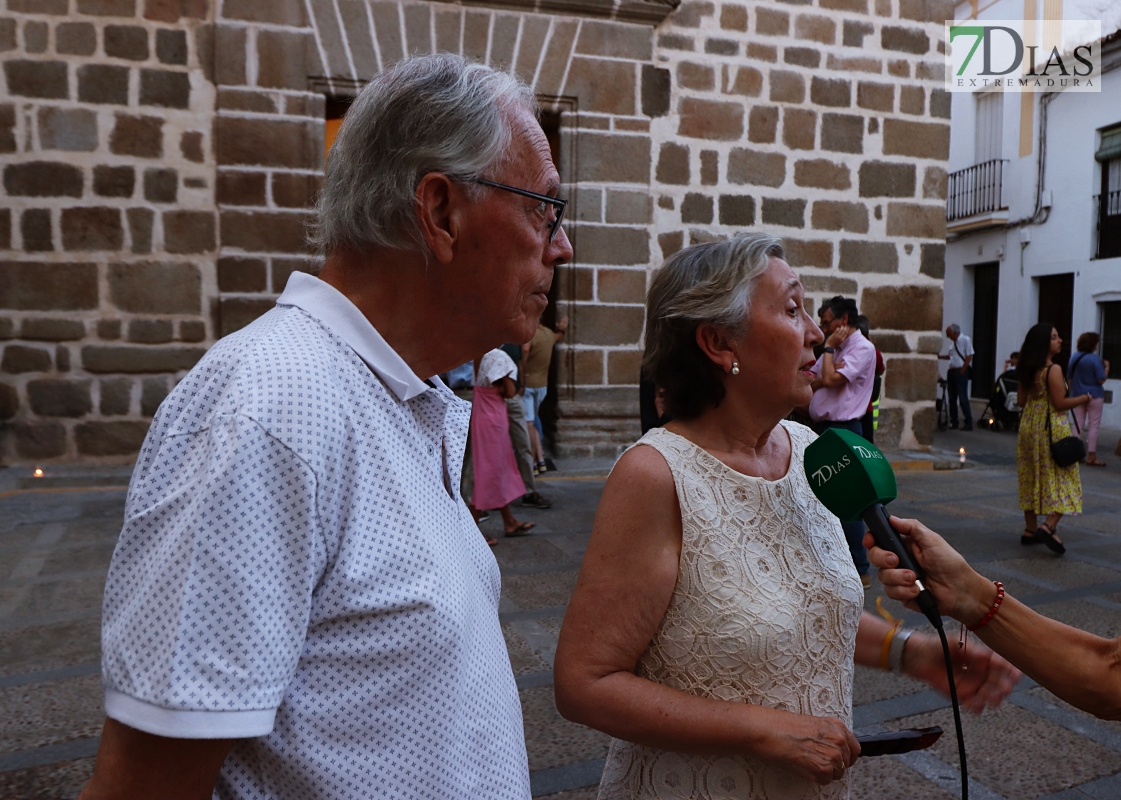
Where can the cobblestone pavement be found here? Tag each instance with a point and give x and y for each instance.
(57, 535)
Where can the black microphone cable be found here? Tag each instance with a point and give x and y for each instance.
(957, 711)
(875, 517)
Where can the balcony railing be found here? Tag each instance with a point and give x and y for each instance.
(975, 190)
(1109, 224)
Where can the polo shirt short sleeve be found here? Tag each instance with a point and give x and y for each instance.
(222, 551)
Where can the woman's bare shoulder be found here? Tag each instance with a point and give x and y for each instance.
(645, 465)
(640, 487)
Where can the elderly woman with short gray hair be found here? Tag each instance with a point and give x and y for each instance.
(717, 616)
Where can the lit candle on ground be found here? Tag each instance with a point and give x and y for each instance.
(961, 454)
(38, 473)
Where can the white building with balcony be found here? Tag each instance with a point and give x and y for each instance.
(1033, 216)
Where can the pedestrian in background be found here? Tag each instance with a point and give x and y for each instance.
(870, 421)
(1087, 373)
(537, 355)
(1045, 487)
(497, 482)
(957, 379)
(519, 431)
(651, 404)
(842, 389)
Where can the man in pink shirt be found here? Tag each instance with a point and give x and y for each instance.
(845, 373)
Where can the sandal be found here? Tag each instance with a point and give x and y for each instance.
(523, 529)
(1029, 537)
(1048, 537)
(1095, 463)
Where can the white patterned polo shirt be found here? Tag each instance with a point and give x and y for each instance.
(297, 571)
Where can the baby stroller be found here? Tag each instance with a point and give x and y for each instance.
(1003, 413)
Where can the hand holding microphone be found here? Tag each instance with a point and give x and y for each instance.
(959, 591)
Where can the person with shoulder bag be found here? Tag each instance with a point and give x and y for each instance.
(1087, 374)
(1046, 485)
(958, 376)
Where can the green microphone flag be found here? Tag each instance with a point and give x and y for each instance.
(848, 474)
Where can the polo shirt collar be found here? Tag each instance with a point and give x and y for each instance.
(850, 340)
(334, 311)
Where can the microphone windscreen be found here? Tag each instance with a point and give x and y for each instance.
(848, 474)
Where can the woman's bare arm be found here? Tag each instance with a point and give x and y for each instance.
(1058, 392)
(1081, 668)
(625, 586)
(985, 684)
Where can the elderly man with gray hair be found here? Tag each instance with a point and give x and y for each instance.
(957, 378)
(300, 605)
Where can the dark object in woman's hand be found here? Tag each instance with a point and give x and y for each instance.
(892, 742)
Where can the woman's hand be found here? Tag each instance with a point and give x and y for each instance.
(819, 749)
(961, 593)
(983, 678)
(1087, 399)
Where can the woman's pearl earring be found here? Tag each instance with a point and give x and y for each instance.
(735, 368)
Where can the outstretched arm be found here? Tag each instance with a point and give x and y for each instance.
(1081, 668)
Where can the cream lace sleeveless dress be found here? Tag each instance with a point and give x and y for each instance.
(765, 611)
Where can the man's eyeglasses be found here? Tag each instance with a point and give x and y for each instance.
(557, 204)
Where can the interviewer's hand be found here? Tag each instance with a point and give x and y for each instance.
(984, 682)
(961, 593)
(819, 749)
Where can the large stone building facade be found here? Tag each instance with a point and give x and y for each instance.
(160, 157)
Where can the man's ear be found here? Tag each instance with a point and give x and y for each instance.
(716, 344)
(438, 205)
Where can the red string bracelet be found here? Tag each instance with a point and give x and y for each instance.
(992, 611)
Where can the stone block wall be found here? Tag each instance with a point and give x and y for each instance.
(107, 224)
(269, 150)
(825, 123)
(160, 157)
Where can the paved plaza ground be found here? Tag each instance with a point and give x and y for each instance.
(57, 536)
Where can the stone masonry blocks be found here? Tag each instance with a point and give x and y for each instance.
(155, 288)
(756, 167)
(904, 308)
(612, 245)
(90, 191)
(709, 119)
(769, 110)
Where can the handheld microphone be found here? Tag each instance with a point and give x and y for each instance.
(851, 478)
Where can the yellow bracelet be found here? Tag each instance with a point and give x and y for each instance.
(885, 648)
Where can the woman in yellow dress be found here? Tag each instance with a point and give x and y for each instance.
(1045, 487)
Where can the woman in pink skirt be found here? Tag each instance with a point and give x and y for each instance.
(497, 481)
